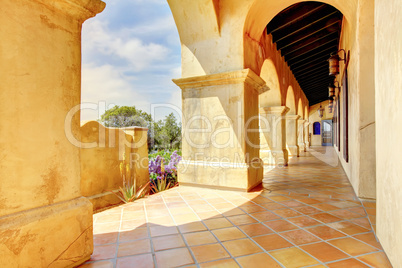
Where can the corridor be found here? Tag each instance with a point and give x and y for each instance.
(307, 215)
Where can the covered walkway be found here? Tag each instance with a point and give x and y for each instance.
(307, 215)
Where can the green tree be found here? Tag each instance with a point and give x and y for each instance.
(171, 132)
(125, 116)
(164, 134)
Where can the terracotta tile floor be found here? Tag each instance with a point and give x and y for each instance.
(305, 216)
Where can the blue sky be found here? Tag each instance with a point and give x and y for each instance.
(130, 53)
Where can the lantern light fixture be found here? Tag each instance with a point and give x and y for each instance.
(334, 62)
(321, 111)
(331, 90)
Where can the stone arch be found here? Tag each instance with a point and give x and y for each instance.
(300, 110)
(260, 14)
(269, 74)
(290, 100)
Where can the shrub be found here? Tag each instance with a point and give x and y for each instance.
(163, 176)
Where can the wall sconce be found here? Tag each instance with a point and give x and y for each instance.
(331, 90)
(334, 62)
(321, 111)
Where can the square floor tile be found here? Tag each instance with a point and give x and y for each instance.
(307, 210)
(98, 264)
(173, 258)
(210, 252)
(162, 230)
(265, 216)
(134, 248)
(369, 238)
(300, 237)
(272, 241)
(241, 247)
(348, 227)
(286, 213)
(227, 263)
(304, 221)
(280, 225)
(107, 238)
(139, 261)
(167, 242)
(324, 252)
(349, 263)
(378, 259)
(325, 232)
(217, 223)
(199, 238)
(230, 233)
(192, 227)
(261, 260)
(255, 229)
(104, 252)
(139, 233)
(352, 246)
(293, 257)
(325, 217)
(242, 219)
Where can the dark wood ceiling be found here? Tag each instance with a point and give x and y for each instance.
(306, 34)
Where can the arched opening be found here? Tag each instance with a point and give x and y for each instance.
(290, 100)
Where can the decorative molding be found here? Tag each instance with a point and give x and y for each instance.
(81, 9)
(228, 78)
(292, 117)
(277, 110)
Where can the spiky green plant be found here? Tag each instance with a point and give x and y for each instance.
(129, 192)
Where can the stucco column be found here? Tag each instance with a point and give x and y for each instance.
(306, 134)
(273, 129)
(220, 143)
(291, 134)
(44, 220)
(300, 135)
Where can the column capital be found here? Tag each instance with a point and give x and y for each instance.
(80, 9)
(276, 110)
(292, 117)
(227, 78)
(302, 121)
(307, 123)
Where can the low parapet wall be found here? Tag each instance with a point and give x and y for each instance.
(102, 151)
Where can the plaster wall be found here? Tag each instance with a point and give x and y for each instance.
(357, 38)
(101, 155)
(388, 99)
(44, 221)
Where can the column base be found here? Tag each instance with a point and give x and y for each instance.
(230, 176)
(302, 147)
(293, 150)
(58, 235)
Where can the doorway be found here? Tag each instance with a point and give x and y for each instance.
(327, 133)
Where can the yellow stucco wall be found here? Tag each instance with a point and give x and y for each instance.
(44, 221)
(101, 154)
(388, 99)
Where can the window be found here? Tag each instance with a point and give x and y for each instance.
(316, 128)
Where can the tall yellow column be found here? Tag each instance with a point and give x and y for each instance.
(300, 135)
(273, 129)
(291, 134)
(44, 220)
(306, 135)
(220, 142)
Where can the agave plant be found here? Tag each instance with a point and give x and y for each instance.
(129, 192)
(159, 184)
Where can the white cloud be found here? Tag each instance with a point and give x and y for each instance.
(128, 59)
(105, 83)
